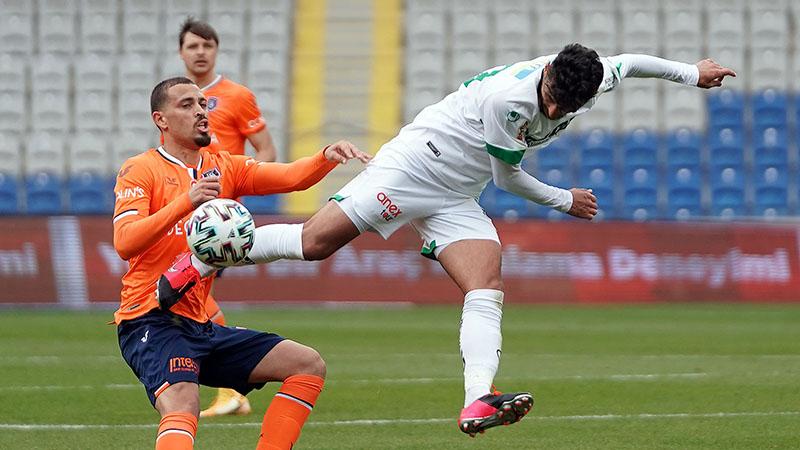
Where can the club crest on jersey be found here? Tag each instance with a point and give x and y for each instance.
(212, 103)
(211, 173)
(512, 116)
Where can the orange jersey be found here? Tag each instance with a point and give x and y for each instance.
(232, 114)
(152, 203)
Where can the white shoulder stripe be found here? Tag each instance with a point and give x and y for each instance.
(126, 214)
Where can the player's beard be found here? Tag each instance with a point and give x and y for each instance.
(203, 139)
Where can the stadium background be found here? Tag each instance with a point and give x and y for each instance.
(670, 165)
(678, 341)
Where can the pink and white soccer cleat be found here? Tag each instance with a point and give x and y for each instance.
(176, 281)
(494, 409)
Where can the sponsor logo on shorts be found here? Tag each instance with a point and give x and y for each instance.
(182, 364)
(390, 210)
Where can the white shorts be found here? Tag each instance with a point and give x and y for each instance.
(383, 199)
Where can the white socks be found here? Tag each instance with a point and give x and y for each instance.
(481, 341)
(272, 242)
(277, 241)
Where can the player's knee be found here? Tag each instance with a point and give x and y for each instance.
(309, 362)
(317, 250)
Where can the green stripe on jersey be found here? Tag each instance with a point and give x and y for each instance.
(510, 156)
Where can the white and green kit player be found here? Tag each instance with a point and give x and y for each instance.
(431, 175)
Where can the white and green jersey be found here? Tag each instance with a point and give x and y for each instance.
(496, 114)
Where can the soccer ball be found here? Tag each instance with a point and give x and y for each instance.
(220, 232)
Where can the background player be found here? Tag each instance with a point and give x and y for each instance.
(234, 118)
(171, 352)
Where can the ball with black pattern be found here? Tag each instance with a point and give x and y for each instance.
(220, 232)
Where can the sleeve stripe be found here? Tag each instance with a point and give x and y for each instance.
(510, 156)
(127, 213)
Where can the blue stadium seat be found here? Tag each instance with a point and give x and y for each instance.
(770, 109)
(683, 192)
(260, 204)
(726, 109)
(501, 204)
(640, 149)
(771, 148)
(597, 149)
(558, 154)
(726, 148)
(684, 148)
(728, 186)
(43, 193)
(771, 191)
(90, 193)
(640, 198)
(9, 203)
(601, 180)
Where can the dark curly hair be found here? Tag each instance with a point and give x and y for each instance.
(576, 74)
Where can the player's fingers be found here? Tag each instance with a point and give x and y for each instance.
(364, 157)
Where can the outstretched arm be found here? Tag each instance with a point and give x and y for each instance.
(704, 74)
(258, 178)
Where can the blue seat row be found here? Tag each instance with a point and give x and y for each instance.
(84, 194)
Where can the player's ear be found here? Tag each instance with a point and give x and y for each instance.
(159, 120)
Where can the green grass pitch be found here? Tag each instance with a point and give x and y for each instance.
(693, 376)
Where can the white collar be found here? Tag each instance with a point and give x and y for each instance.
(177, 161)
(210, 85)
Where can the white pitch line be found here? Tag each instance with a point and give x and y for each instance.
(423, 380)
(60, 387)
(358, 422)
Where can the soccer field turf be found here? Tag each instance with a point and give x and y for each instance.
(678, 376)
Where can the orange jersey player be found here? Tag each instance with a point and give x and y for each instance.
(174, 350)
(234, 117)
(233, 113)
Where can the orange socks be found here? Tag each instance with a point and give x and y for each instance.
(176, 432)
(288, 412)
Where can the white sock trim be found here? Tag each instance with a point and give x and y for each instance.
(485, 294)
(296, 400)
(166, 432)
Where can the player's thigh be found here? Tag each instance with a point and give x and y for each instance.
(236, 352)
(163, 350)
(286, 359)
(464, 240)
(473, 264)
(327, 231)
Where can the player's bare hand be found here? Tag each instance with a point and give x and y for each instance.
(584, 204)
(205, 189)
(343, 151)
(712, 74)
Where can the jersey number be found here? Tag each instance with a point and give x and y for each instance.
(485, 74)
